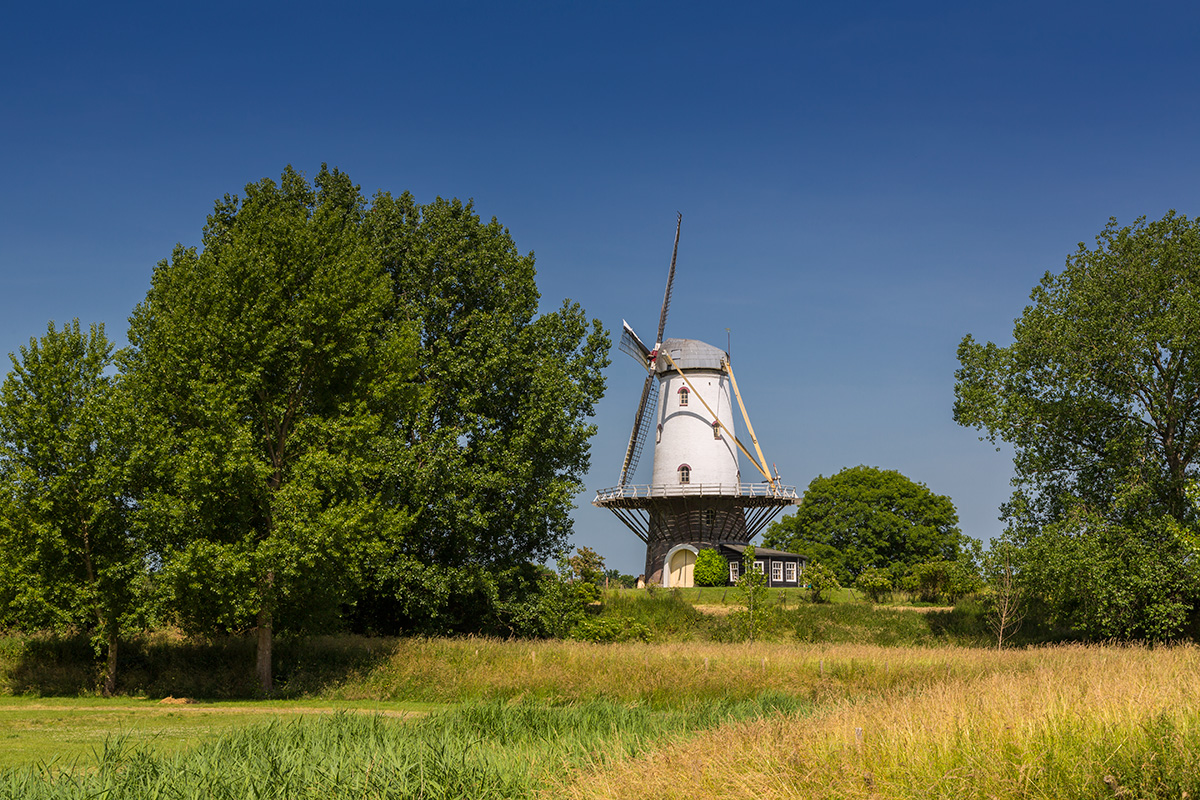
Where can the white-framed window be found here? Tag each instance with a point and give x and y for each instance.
(758, 566)
(685, 473)
(777, 571)
(683, 396)
(734, 570)
(790, 572)
(716, 430)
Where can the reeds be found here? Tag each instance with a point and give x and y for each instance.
(480, 750)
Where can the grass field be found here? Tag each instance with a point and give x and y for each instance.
(849, 701)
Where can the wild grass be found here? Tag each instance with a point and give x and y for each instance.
(1059, 722)
(481, 750)
(671, 675)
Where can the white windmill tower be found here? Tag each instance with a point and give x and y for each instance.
(696, 497)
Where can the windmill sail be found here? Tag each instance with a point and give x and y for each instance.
(662, 319)
(633, 346)
(641, 426)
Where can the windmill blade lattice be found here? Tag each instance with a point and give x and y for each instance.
(666, 306)
(641, 427)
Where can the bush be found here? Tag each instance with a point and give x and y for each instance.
(711, 569)
(822, 582)
(875, 583)
(610, 629)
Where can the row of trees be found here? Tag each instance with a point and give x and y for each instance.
(332, 411)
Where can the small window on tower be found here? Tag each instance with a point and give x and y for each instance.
(685, 473)
(683, 395)
(716, 430)
(710, 517)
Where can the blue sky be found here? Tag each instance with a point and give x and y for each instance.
(862, 183)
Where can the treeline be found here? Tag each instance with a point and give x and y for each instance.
(1099, 396)
(334, 414)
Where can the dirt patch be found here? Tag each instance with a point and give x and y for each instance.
(175, 701)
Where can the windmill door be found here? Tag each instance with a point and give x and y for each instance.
(682, 564)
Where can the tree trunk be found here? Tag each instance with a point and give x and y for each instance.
(263, 664)
(110, 675)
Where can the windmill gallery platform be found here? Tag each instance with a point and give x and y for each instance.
(696, 498)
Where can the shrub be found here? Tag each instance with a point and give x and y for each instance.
(711, 569)
(610, 629)
(822, 582)
(874, 583)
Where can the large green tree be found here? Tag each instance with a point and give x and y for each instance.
(269, 381)
(70, 559)
(497, 446)
(1099, 396)
(866, 517)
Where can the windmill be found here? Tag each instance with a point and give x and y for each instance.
(696, 497)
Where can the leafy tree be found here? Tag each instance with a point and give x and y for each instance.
(752, 587)
(1099, 396)
(497, 444)
(587, 565)
(875, 583)
(269, 381)
(69, 556)
(711, 568)
(822, 582)
(869, 517)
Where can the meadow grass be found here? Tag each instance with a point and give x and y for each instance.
(74, 730)
(1057, 722)
(669, 675)
(479, 750)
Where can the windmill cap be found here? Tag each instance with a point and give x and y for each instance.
(689, 354)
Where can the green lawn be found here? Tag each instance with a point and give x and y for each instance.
(74, 730)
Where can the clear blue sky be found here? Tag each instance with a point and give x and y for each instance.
(862, 183)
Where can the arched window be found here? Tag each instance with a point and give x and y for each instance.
(683, 396)
(658, 435)
(685, 473)
(716, 430)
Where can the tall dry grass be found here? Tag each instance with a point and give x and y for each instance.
(1053, 723)
(667, 675)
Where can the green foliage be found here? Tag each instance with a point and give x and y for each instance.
(752, 590)
(610, 629)
(64, 440)
(496, 446)
(587, 565)
(822, 582)
(934, 581)
(875, 583)
(664, 613)
(268, 381)
(867, 517)
(711, 568)
(1096, 395)
(858, 623)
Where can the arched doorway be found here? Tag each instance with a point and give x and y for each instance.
(680, 568)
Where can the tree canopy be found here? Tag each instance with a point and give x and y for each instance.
(267, 378)
(69, 556)
(866, 517)
(1099, 395)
